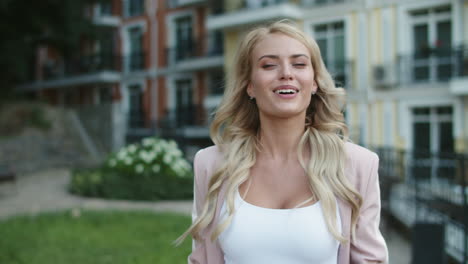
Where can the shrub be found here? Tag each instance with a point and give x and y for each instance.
(151, 170)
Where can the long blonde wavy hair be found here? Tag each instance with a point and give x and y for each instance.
(235, 131)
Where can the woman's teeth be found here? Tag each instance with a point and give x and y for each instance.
(285, 91)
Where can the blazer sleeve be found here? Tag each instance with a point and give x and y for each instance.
(369, 245)
(200, 187)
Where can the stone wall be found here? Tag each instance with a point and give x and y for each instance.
(31, 149)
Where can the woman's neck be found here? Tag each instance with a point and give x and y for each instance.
(280, 137)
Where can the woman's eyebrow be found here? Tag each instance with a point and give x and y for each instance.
(269, 56)
(299, 55)
(277, 57)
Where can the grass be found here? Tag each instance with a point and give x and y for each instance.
(94, 237)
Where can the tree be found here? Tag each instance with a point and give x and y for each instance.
(25, 25)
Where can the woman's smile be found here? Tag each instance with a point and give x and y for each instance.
(286, 91)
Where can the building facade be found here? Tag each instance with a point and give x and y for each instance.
(160, 64)
(152, 69)
(403, 63)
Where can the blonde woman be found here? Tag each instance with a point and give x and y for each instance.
(283, 184)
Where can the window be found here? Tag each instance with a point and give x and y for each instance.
(135, 113)
(185, 114)
(104, 95)
(263, 3)
(136, 56)
(105, 7)
(432, 136)
(331, 40)
(432, 40)
(215, 43)
(184, 40)
(134, 7)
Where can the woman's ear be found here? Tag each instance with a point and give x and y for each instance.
(250, 91)
(314, 87)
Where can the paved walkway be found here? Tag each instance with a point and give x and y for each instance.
(47, 191)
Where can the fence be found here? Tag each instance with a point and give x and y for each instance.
(431, 188)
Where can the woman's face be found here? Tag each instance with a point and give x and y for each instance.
(282, 77)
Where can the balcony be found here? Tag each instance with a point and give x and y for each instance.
(252, 12)
(180, 3)
(103, 16)
(185, 122)
(320, 3)
(189, 56)
(98, 68)
(433, 65)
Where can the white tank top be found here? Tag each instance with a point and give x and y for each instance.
(263, 235)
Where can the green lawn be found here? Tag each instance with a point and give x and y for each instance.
(94, 237)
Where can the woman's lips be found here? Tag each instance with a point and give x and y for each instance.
(286, 91)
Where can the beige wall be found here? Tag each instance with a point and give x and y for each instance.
(465, 22)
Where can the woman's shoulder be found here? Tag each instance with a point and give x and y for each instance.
(358, 153)
(362, 164)
(208, 157)
(208, 153)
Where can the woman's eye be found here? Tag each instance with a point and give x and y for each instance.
(299, 65)
(267, 66)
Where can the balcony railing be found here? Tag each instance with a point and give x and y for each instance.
(428, 187)
(191, 50)
(179, 3)
(136, 120)
(185, 116)
(104, 8)
(105, 15)
(314, 3)
(219, 9)
(135, 61)
(80, 66)
(433, 65)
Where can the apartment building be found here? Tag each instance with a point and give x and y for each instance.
(154, 68)
(403, 63)
(161, 64)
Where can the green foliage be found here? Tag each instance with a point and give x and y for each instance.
(16, 117)
(76, 237)
(25, 25)
(151, 170)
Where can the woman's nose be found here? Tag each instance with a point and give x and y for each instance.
(286, 73)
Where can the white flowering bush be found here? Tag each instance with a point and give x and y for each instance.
(150, 170)
(152, 156)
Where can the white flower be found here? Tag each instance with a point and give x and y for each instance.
(121, 154)
(139, 168)
(167, 158)
(112, 162)
(156, 168)
(147, 157)
(128, 161)
(186, 165)
(177, 153)
(148, 142)
(175, 166)
(172, 143)
(132, 148)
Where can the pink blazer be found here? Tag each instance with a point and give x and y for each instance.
(361, 169)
